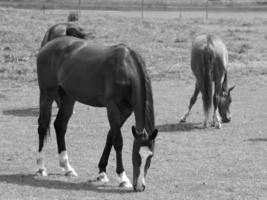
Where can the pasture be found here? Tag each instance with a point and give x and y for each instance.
(189, 162)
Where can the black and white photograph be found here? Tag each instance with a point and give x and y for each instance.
(133, 99)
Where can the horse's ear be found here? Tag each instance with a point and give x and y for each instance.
(231, 88)
(153, 134)
(134, 132)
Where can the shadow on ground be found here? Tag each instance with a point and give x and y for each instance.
(257, 140)
(2, 96)
(41, 182)
(22, 112)
(179, 127)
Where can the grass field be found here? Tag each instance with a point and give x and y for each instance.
(190, 162)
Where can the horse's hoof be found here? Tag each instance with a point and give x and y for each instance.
(205, 125)
(41, 172)
(182, 120)
(218, 126)
(102, 177)
(125, 184)
(71, 173)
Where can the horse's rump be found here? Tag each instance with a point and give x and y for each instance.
(208, 63)
(64, 29)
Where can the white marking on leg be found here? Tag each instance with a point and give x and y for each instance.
(124, 181)
(41, 165)
(102, 177)
(144, 152)
(205, 123)
(216, 120)
(64, 163)
(183, 119)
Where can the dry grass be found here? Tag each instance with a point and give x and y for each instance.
(190, 162)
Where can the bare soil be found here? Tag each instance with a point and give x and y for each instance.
(189, 163)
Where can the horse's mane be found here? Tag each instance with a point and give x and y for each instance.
(147, 91)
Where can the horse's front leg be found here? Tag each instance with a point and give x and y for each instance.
(102, 177)
(117, 115)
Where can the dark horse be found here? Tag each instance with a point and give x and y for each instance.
(113, 77)
(209, 59)
(64, 29)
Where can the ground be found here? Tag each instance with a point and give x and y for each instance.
(190, 162)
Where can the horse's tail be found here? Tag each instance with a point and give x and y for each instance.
(147, 91)
(76, 31)
(208, 57)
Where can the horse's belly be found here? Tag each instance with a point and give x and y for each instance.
(92, 101)
(86, 96)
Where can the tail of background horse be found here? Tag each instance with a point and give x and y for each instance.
(207, 57)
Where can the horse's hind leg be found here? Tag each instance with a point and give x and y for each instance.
(216, 119)
(191, 103)
(46, 100)
(60, 124)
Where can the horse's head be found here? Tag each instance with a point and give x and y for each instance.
(143, 149)
(224, 105)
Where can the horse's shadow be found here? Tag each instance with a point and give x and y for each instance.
(179, 127)
(257, 140)
(35, 181)
(22, 112)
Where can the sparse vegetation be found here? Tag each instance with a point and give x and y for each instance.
(189, 162)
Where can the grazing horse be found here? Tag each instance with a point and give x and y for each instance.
(209, 59)
(113, 77)
(63, 29)
(59, 30)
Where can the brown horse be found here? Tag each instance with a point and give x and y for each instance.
(209, 59)
(113, 77)
(64, 29)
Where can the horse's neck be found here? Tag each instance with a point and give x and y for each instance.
(149, 117)
(144, 114)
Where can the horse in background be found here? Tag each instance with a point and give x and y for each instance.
(113, 77)
(209, 60)
(64, 29)
(60, 30)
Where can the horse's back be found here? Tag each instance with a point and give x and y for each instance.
(88, 72)
(63, 29)
(57, 30)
